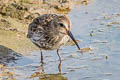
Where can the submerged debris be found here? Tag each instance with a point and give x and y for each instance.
(83, 50)
(37, 74)
(6, 74)
(108, 74)
(43, 76)
(91, 33)
(96, 58)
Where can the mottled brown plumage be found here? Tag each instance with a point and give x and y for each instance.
(50, 31)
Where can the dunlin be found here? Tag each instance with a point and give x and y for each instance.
(50, 31)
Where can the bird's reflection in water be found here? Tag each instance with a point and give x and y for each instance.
(59, 66)
(43, 76)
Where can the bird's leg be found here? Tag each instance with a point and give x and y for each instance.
(42, 57)
(59, 66)
(58, 53)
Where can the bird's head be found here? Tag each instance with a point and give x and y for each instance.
(62, 24)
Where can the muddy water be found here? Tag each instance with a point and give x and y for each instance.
(96, 26)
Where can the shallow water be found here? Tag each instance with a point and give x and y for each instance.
(96, 26)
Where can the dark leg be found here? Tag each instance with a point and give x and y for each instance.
(58, 53)
(42, 57)
(59, 66)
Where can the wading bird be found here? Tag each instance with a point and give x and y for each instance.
(50, 31)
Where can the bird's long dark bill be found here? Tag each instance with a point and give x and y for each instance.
(72, 37)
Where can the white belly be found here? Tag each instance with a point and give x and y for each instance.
(64, 40)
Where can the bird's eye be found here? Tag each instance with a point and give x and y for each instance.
(61, 24)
